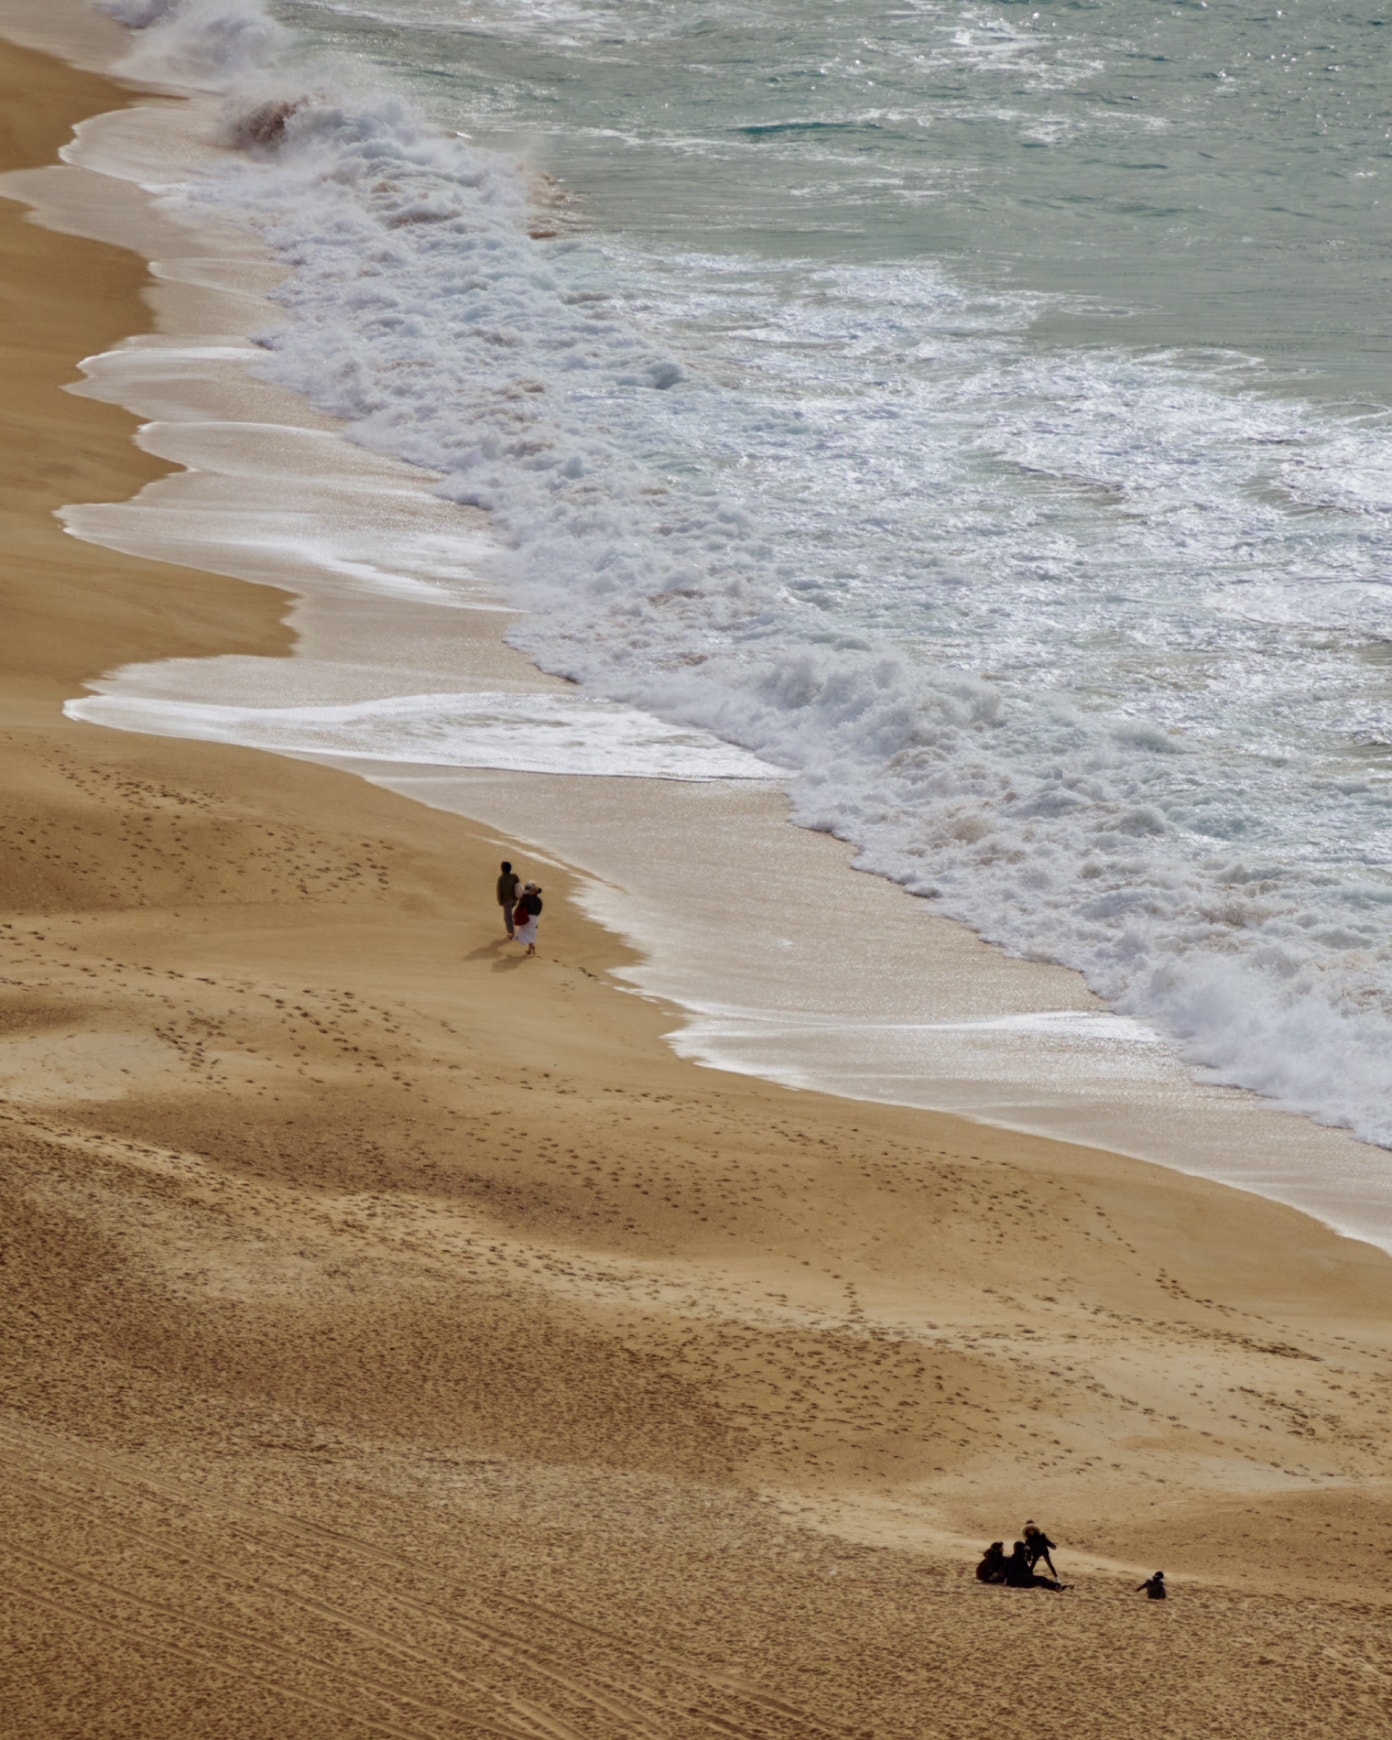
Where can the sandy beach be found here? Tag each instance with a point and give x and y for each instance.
(400, 1339)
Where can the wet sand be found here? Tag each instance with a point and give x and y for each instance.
(399, 1338)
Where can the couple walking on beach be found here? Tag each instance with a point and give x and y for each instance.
(521, 904)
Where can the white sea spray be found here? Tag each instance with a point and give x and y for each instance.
(200, 44)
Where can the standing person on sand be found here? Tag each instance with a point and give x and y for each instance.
(1037, 1545)
(526, 914)
(507, 893)
(1154, 1587)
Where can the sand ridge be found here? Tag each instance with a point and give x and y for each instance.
(398, 1339)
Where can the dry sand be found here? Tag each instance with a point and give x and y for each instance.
(398, 1339)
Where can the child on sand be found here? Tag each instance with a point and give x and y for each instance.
(1154, 1587)
(1037, 1545)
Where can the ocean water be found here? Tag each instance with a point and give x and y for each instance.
(977, 415)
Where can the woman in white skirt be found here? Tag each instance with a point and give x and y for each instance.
(525, 915)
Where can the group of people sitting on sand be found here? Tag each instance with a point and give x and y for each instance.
(1017, 1568)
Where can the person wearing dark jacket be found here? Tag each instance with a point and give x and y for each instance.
(526, 913)
(507, 893)
(1019, 1575)
(1154, 1587)
(992, 1566)
(1037, 1545)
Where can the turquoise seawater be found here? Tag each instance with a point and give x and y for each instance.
(1209, 177)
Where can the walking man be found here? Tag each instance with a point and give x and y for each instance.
(507, 893)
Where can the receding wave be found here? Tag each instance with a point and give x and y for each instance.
(520, 733)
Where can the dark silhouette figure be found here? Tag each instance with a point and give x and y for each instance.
(508, 883)
(1154, 1587)
(992, 1566)
(1037, 1545)
(1019, 1574)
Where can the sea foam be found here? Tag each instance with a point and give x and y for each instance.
(518, 732)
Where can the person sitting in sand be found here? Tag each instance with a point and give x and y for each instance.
(507, 893)
(1019, 1575)
(1037, 1545)
(526, 913)
(992, 1566)
(1154, 1587)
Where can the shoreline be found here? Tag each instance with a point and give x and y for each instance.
(364, 1287)
(855, 989)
